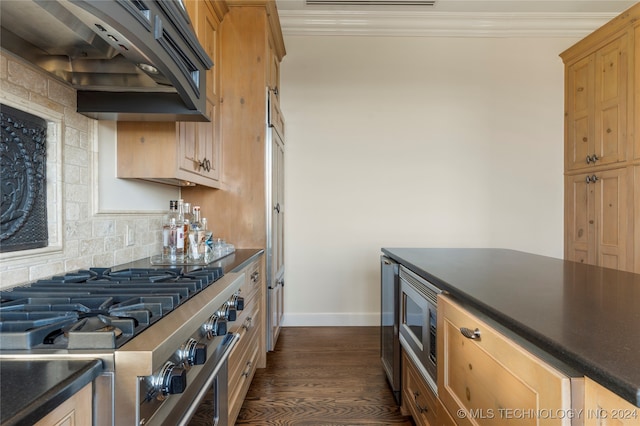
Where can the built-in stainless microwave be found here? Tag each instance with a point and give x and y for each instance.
(418, 320)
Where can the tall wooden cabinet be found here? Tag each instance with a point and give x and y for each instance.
(251, 49)
(602, 145)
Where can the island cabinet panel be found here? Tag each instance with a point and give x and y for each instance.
(602, 124)
(604, 408)
(486, 378)
(75, 411)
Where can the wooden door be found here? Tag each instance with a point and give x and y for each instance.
(579, 103)
(596, 218)
(610, 190)
(579, 222)
(611, 82)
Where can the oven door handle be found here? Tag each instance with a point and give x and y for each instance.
(201, 394)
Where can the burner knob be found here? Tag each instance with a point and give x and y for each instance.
(172, 379)
(237, 302)
(215, 326)
(193, 353)
(230, 313)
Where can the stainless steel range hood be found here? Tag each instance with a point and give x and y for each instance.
(129, 60)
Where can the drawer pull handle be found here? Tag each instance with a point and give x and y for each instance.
(255, 276)
(421, 410)
(248, 370)
(470, 334)
(247, 323)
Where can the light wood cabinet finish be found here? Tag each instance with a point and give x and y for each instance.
(180, 153)
(75, 411)
(250, 351)
(419, 400)
(491, 377)
(604, 408)
(597, 209)
(237, 212)
(602, 109)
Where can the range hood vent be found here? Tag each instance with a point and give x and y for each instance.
(129, 60)
(370, 2)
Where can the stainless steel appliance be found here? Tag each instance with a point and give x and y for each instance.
(418, 323)
(127, 59)
(390, 322)
(160, 333)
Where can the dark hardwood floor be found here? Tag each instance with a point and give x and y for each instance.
(322, 376)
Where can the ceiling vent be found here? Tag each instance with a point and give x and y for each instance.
(370, 2)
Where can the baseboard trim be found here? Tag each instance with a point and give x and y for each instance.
(331, 319)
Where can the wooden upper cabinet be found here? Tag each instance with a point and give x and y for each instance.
(596, 107)
(182, 153)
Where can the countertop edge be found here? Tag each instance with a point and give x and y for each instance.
(50, 400)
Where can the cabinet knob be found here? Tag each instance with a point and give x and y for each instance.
(277, 208)
(421, 409)
(470, 334)
(592, 159)
(592, 179)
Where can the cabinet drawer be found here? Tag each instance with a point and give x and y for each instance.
(416, 395)
(241, 379)
(253, 279)
(241, 354)
(491, 378)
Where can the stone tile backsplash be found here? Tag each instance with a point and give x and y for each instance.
(79, 237)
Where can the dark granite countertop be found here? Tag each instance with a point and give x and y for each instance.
(33, 388)
(231, 263)
(586, 316)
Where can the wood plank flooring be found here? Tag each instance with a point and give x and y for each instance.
(322, 376)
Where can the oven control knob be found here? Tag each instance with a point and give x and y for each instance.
(216, 325)
(237, 302)
(172, 379)
(231, 313)
(193, 353)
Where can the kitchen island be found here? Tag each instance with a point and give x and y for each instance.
(585, 316)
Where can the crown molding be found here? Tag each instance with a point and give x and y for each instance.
(440, 24)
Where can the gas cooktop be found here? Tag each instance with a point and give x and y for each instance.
(96, 308)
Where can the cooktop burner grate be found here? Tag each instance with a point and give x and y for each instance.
(96, 308)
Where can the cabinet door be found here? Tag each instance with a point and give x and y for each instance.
(597, 212)
(604, 408)
(596, 107)
(276, 296)
(77, 410)
(490, 379)
(579, 104)
(198, 147)
(611, 82)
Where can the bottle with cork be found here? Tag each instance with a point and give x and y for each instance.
(196, 236)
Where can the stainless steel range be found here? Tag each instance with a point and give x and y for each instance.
(160, 333)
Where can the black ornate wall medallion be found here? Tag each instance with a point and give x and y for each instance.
(23, 184)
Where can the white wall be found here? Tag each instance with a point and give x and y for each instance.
(414, 142)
